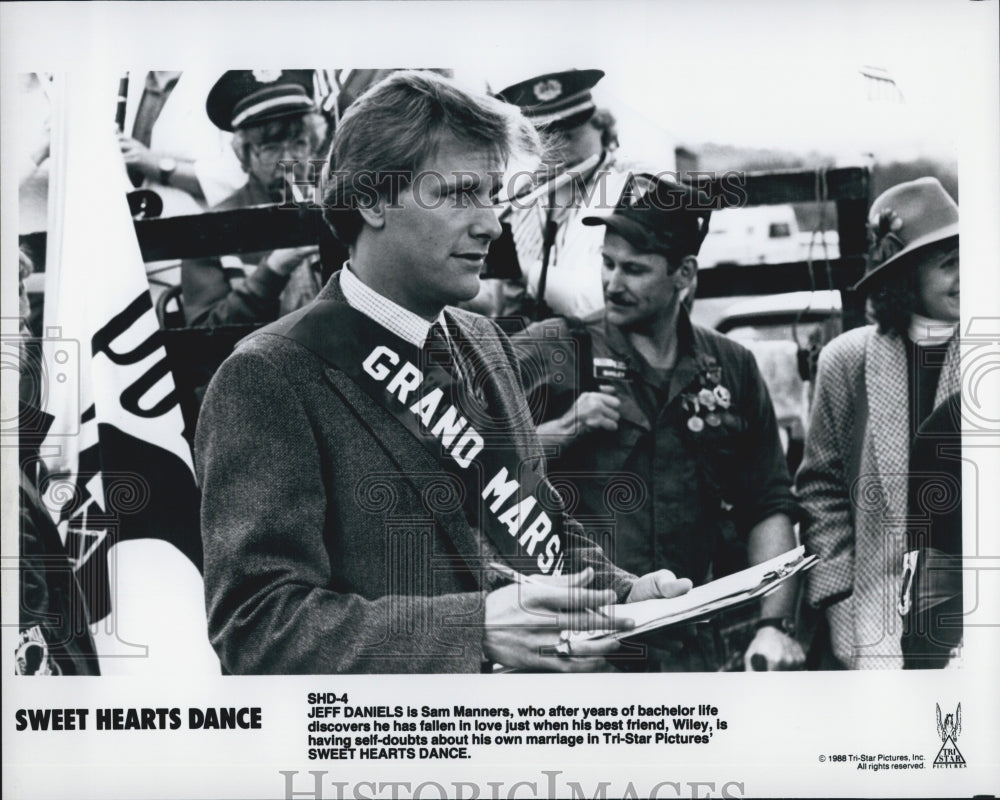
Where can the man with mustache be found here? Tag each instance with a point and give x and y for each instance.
(666, 429)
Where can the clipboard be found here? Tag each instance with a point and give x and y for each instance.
(704, 602)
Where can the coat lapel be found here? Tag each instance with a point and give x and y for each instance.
(950, 381)
(496, 392)
(393, 438)
(416, 465)
(886, 384)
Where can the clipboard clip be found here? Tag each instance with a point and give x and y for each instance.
(790, 568)
(781, 572)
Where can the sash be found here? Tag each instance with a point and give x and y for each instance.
(514, 506)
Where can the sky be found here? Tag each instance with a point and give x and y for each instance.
(772, 73)
(782, 75)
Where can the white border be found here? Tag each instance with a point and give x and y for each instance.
(779, 724)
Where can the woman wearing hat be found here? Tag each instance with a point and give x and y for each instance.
(875, 387)
(273, 118)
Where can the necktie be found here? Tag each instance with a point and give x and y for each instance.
(467, 374)
(437, 350)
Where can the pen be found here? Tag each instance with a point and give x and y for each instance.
(511, 574)
(516, 577)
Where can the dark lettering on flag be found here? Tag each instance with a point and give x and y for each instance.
(102, 344)
(125, 487)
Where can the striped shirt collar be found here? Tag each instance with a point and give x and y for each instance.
(404, 323)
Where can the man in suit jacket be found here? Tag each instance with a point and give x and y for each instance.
(345, 525)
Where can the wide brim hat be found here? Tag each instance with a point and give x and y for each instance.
(556, 100)
(903, 221)
(243, 97)
(659, 216)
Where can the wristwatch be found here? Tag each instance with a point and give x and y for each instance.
(784, 624)
(168, 166)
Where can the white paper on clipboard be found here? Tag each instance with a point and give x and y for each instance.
(710, 598)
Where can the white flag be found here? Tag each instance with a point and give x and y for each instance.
(120, 467)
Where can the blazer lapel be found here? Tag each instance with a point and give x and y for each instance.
(415, 464)
(497, 392)
(950, 381)
(392, 437)
(887, 387)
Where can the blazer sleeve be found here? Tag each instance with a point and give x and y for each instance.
(269, 567)
(821, 481)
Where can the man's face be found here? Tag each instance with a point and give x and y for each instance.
(638, 291)
(436, 235)
(938, 285)
(573, 146)
(264, 161)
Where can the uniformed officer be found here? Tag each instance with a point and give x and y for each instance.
(559, 257)
(275, 121)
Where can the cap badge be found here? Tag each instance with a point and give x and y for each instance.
(547, 90)
(266, 75)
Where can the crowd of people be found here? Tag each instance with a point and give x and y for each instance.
(391, 483)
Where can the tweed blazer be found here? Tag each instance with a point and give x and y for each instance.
(857, 497)
(332, 541)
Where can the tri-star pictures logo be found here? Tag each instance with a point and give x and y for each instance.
(949, 728)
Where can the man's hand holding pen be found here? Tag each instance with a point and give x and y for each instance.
(530, 621)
